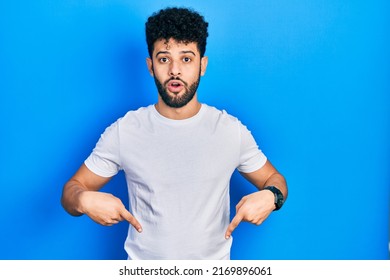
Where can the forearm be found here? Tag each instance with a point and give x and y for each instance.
(84, 180)
(70, 199)
(267, 176)
(279, 182)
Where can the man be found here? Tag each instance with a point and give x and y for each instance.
(178, 157)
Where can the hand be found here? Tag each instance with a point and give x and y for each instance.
(106, 209)
(253, 208)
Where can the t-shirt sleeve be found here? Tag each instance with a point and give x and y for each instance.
(251, 157)
(105, 157)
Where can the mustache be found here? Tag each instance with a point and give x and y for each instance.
(174, 79)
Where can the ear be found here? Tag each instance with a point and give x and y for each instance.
(203, 65)
(149, 63)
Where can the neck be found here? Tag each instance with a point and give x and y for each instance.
(185, 112)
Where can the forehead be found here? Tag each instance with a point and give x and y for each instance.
(173, 46)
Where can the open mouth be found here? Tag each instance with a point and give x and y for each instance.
(175, 86)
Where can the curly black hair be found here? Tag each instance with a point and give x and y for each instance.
(181, 24)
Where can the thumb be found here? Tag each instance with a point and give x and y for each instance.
(131, 219)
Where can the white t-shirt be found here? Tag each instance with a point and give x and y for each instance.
(178, 174)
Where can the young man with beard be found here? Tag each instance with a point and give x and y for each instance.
(178, 156)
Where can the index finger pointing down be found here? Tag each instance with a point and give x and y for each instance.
(132, 220)
(232, 226)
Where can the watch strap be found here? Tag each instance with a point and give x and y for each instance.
(279, 198)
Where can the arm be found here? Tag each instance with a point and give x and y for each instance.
(81, 196)
(256, 207)
(267, 176)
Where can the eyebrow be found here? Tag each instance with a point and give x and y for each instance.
(182, 52)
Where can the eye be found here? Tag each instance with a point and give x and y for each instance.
(187, 59)
(163, 59)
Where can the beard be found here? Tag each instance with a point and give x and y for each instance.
(177, 101)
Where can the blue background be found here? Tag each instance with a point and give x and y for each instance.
(311, 80)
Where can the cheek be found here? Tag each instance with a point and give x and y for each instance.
(159, 70)
(194, 71)
(154, 72)
(157, 75)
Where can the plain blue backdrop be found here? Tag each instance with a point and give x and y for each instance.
(310, 79)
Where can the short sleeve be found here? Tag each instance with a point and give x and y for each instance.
(105, 157)
(251, 157)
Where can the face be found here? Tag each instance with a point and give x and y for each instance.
(176, 68)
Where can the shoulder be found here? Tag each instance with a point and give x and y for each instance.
(221, 118)
(220, 115)
(131, 119)
(138, 113)
(135, 117)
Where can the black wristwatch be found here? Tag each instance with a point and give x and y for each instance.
(279, 199)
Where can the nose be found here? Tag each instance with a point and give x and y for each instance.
(174, 69)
